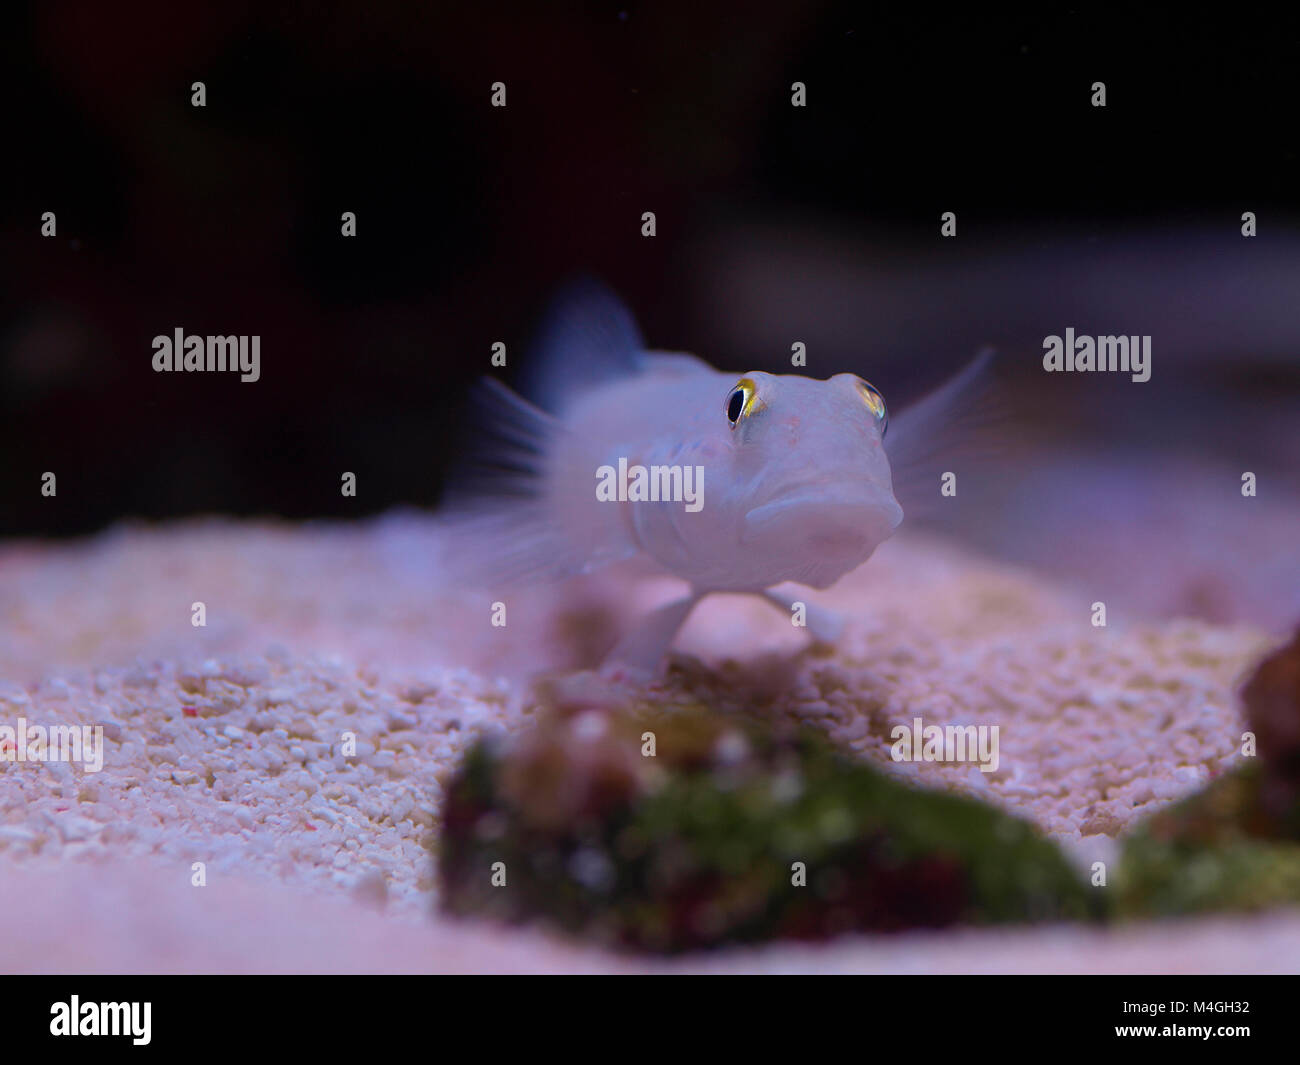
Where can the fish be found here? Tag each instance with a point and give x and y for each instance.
(611, 453)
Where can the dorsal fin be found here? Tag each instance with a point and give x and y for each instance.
(586, 338)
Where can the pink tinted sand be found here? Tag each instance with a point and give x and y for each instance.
(224, 744)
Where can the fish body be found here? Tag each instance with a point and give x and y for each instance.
(732, 482)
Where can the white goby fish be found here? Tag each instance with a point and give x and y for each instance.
(750, 480)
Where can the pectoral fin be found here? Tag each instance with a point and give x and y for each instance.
(960, 424)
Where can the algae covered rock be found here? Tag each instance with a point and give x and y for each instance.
(1272, 701)
(1236, 844)
(691, 830)
(1217, 850)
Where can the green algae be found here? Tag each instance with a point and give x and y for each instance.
(733, 832)
(1235, 845)
(1217, 850)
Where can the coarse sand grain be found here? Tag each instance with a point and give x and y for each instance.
(297, 744)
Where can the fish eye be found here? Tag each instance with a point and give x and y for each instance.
(875, 403)
(740, 400)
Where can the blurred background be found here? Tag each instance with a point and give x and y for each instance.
(774, 224)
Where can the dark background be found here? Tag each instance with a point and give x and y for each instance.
(226, 219)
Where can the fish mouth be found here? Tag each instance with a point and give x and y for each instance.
(823, 519)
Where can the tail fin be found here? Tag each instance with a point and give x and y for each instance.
(503, 528)
(503, 452)
(493, 504)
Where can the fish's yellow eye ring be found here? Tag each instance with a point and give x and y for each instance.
(741, 401)
(875, 403)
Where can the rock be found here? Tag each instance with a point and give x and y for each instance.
(730, 831)
(1236, 844)
(1217, 850)
(1272, 701)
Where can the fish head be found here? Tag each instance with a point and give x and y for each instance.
(812, 488)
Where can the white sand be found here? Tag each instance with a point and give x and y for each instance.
(224, 743)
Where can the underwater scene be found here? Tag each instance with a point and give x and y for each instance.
(629, 489)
